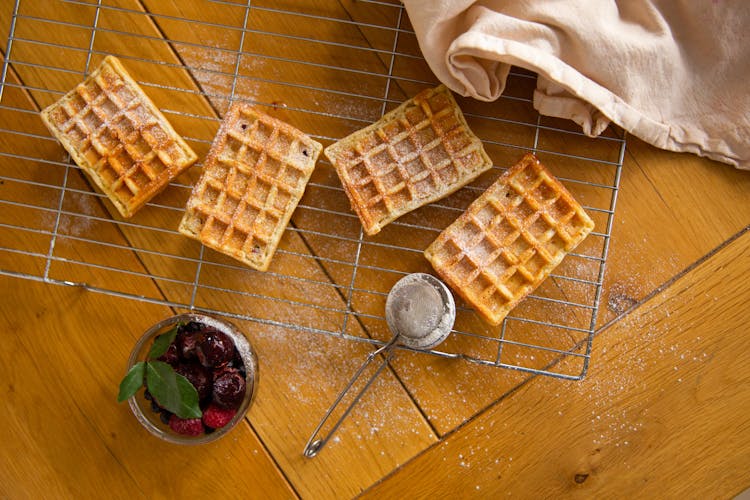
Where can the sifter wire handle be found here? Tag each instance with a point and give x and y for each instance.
(314, 445)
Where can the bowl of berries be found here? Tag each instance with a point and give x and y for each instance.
(191, 378)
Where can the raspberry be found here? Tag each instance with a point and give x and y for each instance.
(186, 426)
(229, 387)
(199, 376)
(215, 349)
(216, 417)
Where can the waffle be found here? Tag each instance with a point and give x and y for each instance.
(418, 153)
(118, 137)
(253, 178)
(509, 239)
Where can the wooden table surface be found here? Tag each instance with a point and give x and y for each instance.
(664, 409)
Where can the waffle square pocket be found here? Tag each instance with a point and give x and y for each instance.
(509, 239)
(416, 154)
(118, 137)
(253, 178)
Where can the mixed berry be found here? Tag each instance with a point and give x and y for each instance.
(209, 360)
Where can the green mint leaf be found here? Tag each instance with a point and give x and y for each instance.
(171, 390)
(162, 384)
(188, 399)
(131, 382)
(161, 343)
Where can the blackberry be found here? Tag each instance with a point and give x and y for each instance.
(155, 406)
(190, 327)
(164, 416)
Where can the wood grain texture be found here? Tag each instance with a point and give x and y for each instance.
(61, 362)
(319, 367)
(475, 426)
(665, 401)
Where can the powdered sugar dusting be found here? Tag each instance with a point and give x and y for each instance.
(317, 367)
(643, 349)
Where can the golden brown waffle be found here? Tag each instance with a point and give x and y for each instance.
(253, 178)
(118, 137)
(509, 239)
(418, 153)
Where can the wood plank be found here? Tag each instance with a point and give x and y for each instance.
(662, 231)
(673, 209)
(60, 387)
(280, 349)
(314, 368)
(662, 414)
(657, 233)
(65, 352)
(476, 386)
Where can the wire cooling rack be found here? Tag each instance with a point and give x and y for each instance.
(328, 68)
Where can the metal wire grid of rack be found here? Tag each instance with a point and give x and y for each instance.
(328, 68)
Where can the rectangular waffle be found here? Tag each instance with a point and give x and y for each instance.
(509, 239)
(253, 177)
(116, 134)
(418, 153)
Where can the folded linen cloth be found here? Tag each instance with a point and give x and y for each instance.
(675, 73)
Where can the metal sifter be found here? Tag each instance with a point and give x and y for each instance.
(420, 312)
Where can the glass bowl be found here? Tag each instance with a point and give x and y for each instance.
(141, 406)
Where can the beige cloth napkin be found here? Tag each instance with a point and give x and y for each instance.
(675, 73)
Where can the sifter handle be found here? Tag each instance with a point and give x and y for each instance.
(314, 445)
